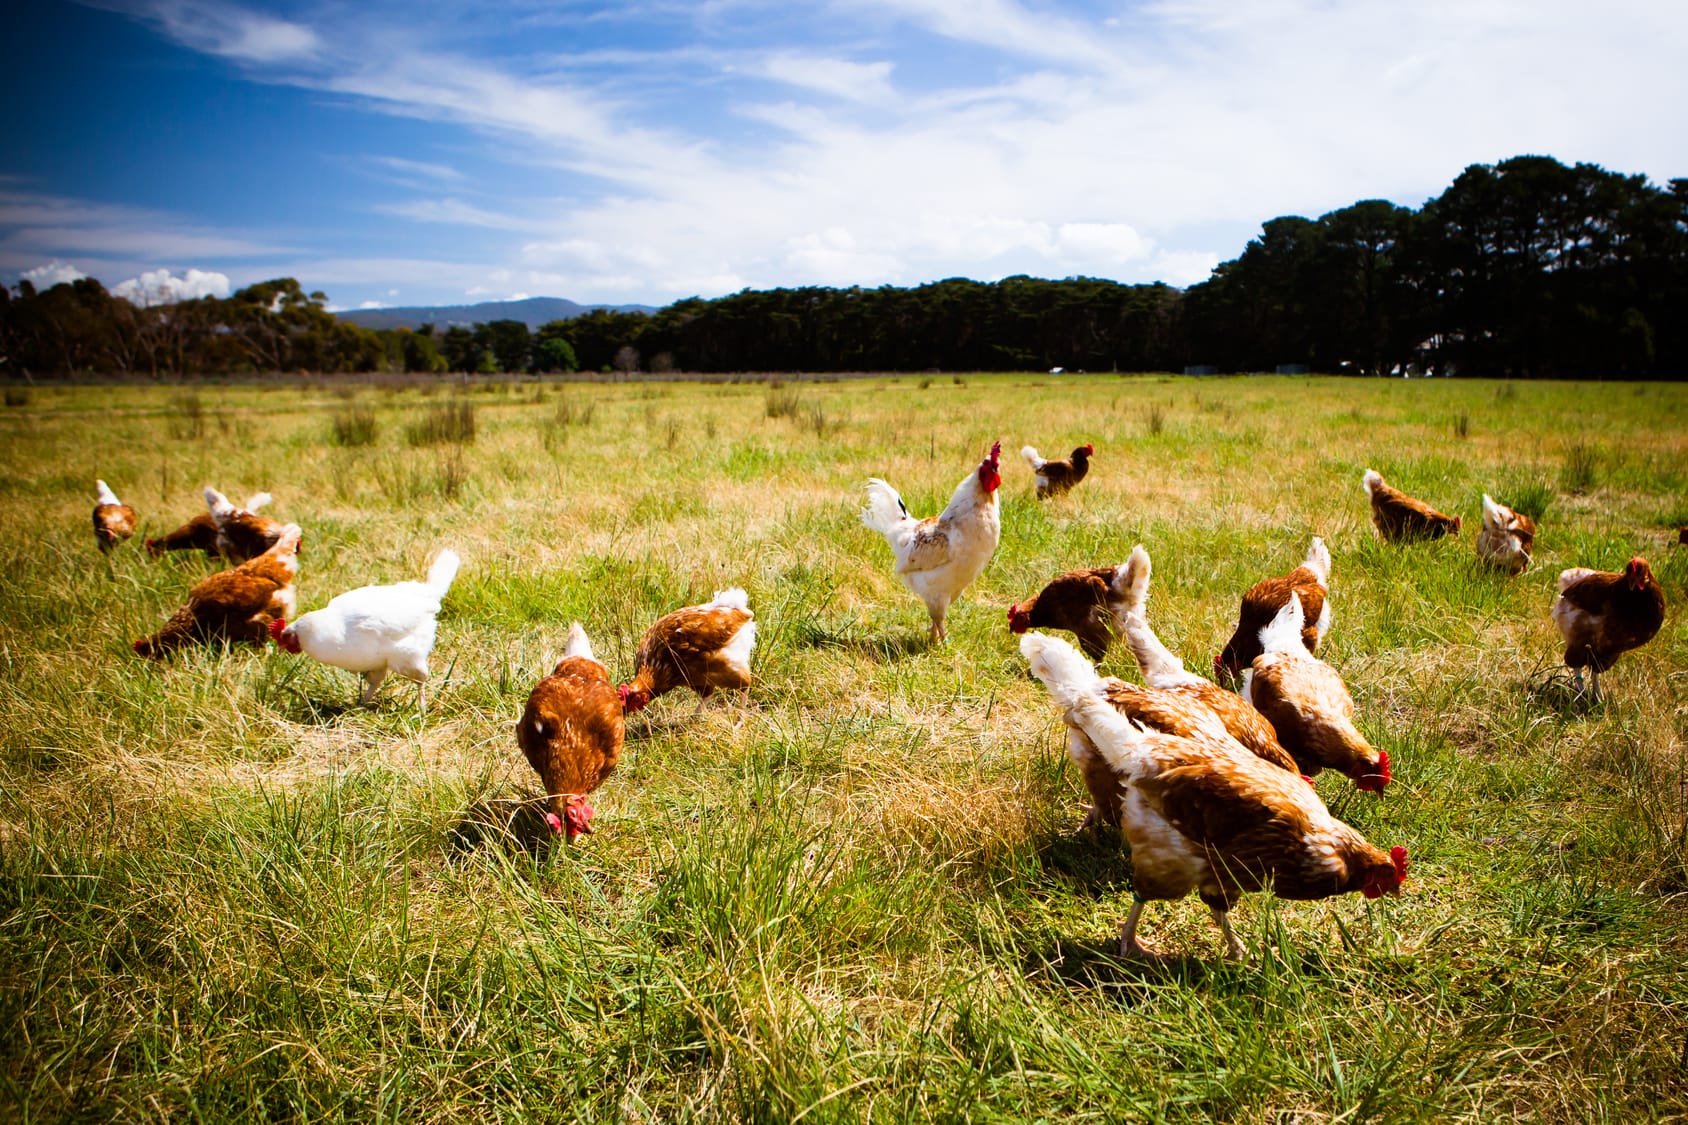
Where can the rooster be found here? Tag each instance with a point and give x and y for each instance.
(241, 532)
(703, 647)
(1400, 518)
(241, 604)
(1056, 477)
(199, 533)
(940, 556)
(1082, 602)
(1603, 615)
(1310, 582)
(1508, 538)
(114, 521)
(376, 630)
(1165, 672)
(1309, 706)
(1200, 813)
(571, 733)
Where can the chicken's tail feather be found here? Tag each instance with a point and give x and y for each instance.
(579, 644)
(1372, 480)
(1131, 582)
(1283, 632)
(219, 505)
(733, 597)
(1031, 457)
(1318, 560)
(885, 509)
(258, 500)
(442, 572)
(1493, 514)
(107, 496)
(1061, 667)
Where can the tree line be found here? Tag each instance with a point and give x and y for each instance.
(1525, 268)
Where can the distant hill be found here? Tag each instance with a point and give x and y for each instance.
(533, 311)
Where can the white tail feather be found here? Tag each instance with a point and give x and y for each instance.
(1031, 457)
(731, 598)
(1061, 667)
(443, 572)
(219, 504)
(1161, 669)
(1493, 514)
(1283, 632)
(1131, 581)
(107, 496)
(1318, 561)
(258, 500)
(1371, 480)
(885, 509)
(579, 644)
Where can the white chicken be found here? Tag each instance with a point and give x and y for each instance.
(376, 630)
(940, 556)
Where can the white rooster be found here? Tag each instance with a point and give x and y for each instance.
(376, 630)
(940, 556)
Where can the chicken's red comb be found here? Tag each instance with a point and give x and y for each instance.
(996, 452)
(1398, 856)
(1383, 765)
(1089, 450)
(276, 626)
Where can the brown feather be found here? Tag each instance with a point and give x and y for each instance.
(572, 729)
(1262, 603)
(1400, 518)
(113, 523)
(1615, 618)
(1062, 476)
(1080, 602)
(236, 604)
(1309, 707)
(198, 534)
(683, 649)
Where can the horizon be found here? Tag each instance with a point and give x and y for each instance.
(645, 154)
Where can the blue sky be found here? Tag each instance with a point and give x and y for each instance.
(424, 153)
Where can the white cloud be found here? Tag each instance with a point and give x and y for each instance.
(222, 29)
(161, 287)
(371, 305)
(853, 81)
(51, 274)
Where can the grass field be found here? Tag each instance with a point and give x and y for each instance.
(226, 892)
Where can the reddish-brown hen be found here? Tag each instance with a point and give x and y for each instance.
(571, 734)
(114, 521)
(703, 647)
(200, 533)
(1056, 477)
(1603, 615)
(1310, 582)
(1400, 517)
(1508, 538)
(234, 605)
(1081, 602)
(241, 533)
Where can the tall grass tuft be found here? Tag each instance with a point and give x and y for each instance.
(782, 401)
(1462, 424)
(1580, 471)
(1530, 497)
(353, 426)
(187, 416)
(449, 422)
(1154, 418)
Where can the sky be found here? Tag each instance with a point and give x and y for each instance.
(647, 150)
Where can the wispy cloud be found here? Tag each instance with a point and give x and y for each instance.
(34, 226)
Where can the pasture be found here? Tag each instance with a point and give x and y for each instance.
(227, 892)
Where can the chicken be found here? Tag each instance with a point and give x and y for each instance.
(199, 533)
(1056, 477)
(1081, 602)
(1200, 813)
(1165, 672)
(1603, 615)
(376, 630)
(240, 604)
(1400, 518)
(703, 647)
(1310, 582)
(1508, 538)
(571, 733)
(940, 556)
(114, 521)
(1309, 706)
(241, 533)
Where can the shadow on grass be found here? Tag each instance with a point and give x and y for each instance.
(882, 650)
(1097, 867)
(1089, 966)
(511, 824)
(1557, 691)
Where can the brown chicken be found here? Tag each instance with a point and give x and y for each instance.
(234, 605)
(1603, 615)
(703, 647)
(1081, 602)
(114, 521)
(1310, 582)
(1508, 538)
(1056, 477)
(1200, 813)
(571, 733)
(1400, 518)
(241, 533)
(1309, 706)
(200, 533)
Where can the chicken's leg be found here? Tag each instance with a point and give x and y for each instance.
(1594, 682)
(1129, 946)
(371, 685)
(1233, 947)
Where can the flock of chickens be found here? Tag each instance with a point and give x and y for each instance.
(1210, 789)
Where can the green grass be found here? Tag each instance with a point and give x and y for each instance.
(226, 892)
